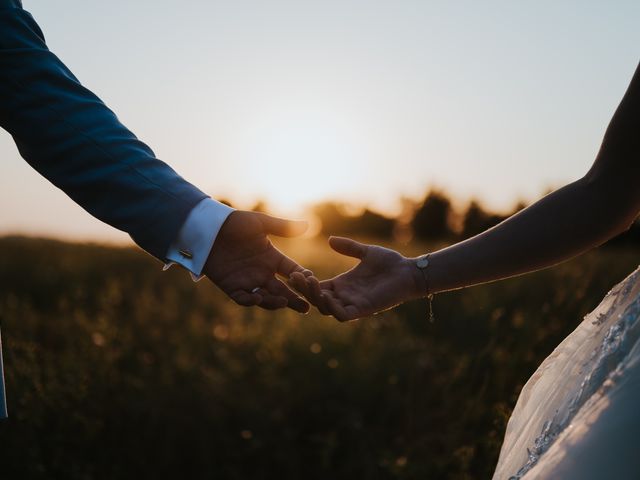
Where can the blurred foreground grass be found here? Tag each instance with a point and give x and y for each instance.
(117, 370)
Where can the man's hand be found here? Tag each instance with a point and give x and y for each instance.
(244, 263)
(382, 280)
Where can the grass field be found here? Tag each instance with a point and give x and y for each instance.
(117, 370)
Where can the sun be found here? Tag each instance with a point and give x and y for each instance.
(297, 159)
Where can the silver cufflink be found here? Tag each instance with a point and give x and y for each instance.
(186, 254)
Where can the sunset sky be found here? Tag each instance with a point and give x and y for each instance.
(367, 101)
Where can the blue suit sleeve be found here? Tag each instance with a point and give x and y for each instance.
(68, 135)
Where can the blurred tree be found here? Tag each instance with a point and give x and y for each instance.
(374, 224)
(432, 218)
(332, 217)
(336, 221)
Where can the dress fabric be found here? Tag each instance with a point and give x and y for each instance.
(578, 416)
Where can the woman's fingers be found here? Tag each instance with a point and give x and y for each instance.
(310, 288)
(285, 266)
(323, 297)
(297, 281)
(307, 286)
(317, 295)
(315, 292)
(322, 305)
(339, 310)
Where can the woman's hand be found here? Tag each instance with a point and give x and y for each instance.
(383, 279)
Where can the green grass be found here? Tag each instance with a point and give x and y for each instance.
(117, 370)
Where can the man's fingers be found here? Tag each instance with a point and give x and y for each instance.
(299, 305)
(281, 226)
(262, 298)
(273, 302)
(277, 288)
(286, 266)
(348, 247)
(246, 299)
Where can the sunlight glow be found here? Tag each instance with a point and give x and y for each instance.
(301, 157)
(364, 103)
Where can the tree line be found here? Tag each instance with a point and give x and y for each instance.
(432, 219)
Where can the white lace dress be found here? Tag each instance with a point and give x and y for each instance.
(578, 416)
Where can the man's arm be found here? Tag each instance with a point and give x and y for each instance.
(68, 135)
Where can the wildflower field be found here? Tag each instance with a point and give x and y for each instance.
(117, 370)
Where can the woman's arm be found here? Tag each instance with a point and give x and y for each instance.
(563, 224)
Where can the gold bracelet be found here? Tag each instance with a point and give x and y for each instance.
(422, 262)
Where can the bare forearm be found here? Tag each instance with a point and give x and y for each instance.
(560, 226)
(566, 223)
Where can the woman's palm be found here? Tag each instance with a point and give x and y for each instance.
(380, 281)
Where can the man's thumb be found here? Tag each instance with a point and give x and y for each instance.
(283, 227)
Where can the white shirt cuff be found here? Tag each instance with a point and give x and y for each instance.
(196, 237)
